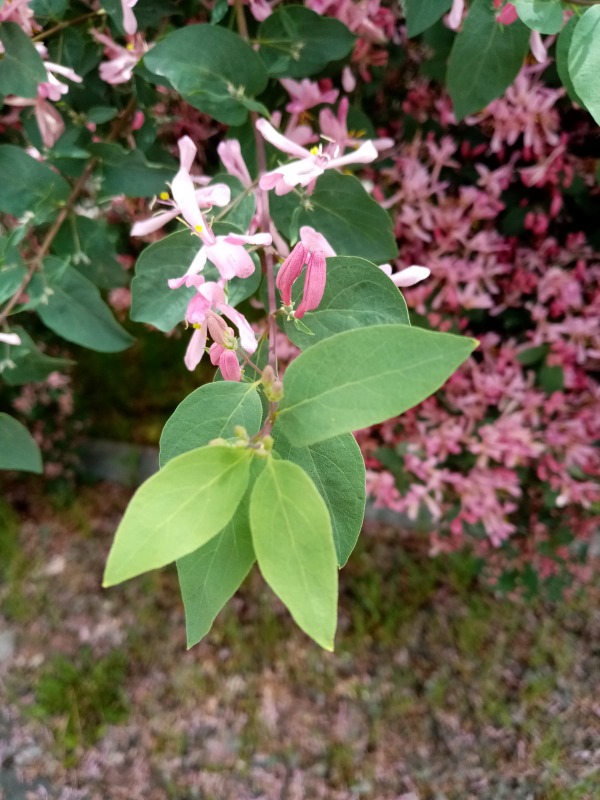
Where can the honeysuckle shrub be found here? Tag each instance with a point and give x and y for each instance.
(265, 161)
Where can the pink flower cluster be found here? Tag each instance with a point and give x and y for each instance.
(509, 445)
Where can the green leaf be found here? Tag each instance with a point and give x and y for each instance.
(363, 377)
(210, 412)
(211, 575)
(293, 542)
(18, 449)
(129, 172)
(422, 14)
(563, 45)
(91, 244)
(49, 9)
(296, 42)
(545, 16)
(584, 60)
(485, 59)
(11, 277)
(21, 68)
(28, 185)
(178, 510)
(75, 311)
(338, 470)
(151, 299)
(339, 208)
(212, 68)
(357, 294)
(30, 363)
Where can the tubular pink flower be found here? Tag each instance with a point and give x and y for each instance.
(129, 20)
(230, 153)
(227, 362)
(312, 250)
(456, 14)
(121, 60)
(206, 197)
(195, 349)
(507, 15)
(306, 94)
(314, 283)
(289, 272)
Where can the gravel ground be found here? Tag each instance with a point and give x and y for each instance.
(438, 690)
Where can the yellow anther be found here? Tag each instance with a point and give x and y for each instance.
(197, 325)
(164, 195)
(129, 46)
(198, 228)
(314, 151)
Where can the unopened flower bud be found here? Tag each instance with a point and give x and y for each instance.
(268, 375)
(240, 432)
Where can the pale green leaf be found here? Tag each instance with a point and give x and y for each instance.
(178, 510)
(211, 575)
(293, 542)
(584, 60)
(365, 376)
(210, 412)
(338, 470)
(563, 45)
(545, 16)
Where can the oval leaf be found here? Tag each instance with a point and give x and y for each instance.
(339, 208)
(211, 575)
(21, 68)
(545, 16)
(338, 470)
(210, 412)
(212, 68)
(584, 60)
(29, 185)
(357, 294)
(422, 14)
(18, 448)
(178, 510)
(362, 377)
(293, 542)
(296, 42)
(485, 59)
(75, 311)
(563, 45)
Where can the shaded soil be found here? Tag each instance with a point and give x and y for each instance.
(438, 690)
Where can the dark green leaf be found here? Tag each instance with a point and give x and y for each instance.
(21, 68)
(296, 42)
(422, 14)
(18, 449)
(75, 311)
(485, 59)
(91, 244)
(30, 363)
(129, 172)
(212, 68)
(28, 185)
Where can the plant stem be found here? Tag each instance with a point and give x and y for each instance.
(67, 24)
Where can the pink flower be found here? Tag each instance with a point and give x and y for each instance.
(306, 94)
(210, 296)
(456, 14)
(310, 163)
(406, 277)
(121, 60)
(129, 20)
(230, 153)
(187, 200)
(508, 14)
(311, 250)
(227, 362)
(335, 127)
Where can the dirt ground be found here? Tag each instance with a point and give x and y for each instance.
(438, 690)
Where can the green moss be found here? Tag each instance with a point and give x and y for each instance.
(82, 695)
